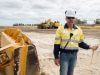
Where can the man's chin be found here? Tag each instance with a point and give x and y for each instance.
(71, 23)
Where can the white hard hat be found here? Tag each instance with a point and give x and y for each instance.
(70, 13)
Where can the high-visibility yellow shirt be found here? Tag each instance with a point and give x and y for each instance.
(63, 35)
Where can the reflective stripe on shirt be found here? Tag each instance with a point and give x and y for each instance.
(70, 48)
(57, 38)
(74, 41)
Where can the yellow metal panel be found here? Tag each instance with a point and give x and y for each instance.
(22, 60)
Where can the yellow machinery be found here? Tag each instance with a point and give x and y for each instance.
(18, 56)
(49, 24)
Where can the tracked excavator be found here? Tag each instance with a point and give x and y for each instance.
(49, 24)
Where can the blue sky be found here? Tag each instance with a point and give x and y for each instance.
(36, 11)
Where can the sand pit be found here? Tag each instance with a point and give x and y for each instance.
(44, 44)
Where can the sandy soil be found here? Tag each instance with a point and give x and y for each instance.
(44, 44)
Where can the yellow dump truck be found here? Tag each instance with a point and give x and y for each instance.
(18, 55)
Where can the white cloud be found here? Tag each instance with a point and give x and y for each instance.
(35, 11)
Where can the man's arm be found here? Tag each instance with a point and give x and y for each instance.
(56, 50)
(84, 45)
(56, 54)
(57, 42)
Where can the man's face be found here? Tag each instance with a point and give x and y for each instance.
(70, 20)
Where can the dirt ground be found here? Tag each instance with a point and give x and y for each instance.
(44, 44)
(44, 41)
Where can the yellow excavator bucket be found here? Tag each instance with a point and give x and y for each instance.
(18, 56)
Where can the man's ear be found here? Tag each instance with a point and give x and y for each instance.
(66, 18)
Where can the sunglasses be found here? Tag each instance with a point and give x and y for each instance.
(70, 17)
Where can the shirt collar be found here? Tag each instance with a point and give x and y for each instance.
(66, 26)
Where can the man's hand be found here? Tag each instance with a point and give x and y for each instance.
(94, 47)
(57, 61)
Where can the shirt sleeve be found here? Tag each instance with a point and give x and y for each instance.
(56, 50)
(81, 36)
(84, 45)
(57, 43)
(58, 36)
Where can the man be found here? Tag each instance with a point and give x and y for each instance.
(68, 38)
